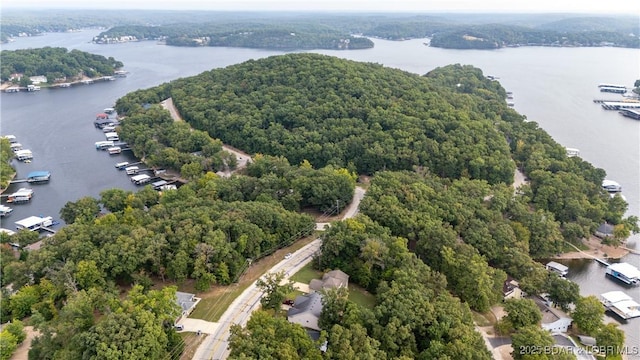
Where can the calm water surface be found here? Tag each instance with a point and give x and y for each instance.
(552, 86)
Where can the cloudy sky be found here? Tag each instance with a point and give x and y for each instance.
(581, 6)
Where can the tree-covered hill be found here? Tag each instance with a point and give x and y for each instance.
(344, 113)
(56, 63)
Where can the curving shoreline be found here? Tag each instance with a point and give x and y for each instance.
(595, 250)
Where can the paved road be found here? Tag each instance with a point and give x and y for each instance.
(215, 346)
(241, 157)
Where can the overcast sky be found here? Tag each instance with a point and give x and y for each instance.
(630, 7)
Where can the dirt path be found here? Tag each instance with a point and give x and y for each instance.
(595, 250)
(22, 352)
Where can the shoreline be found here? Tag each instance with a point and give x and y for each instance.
(595, 249)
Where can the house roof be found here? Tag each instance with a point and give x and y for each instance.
(336, 275)
(311, 303)
(332, 279)
(185, 300)
(605, 229)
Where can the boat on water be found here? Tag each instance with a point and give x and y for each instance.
(103, 145)
(605, 85)
(38, 176)
(634, 114)
(624, 272)
(571, 152)
(620, 304)
(112, 136)
(12, 138)
(115, 150)
(5, 210)
(21, 196)
(557, 268)
(611, 186)
(16, 147)
(24, 155)
(33, 88)
(131, 170)
(109, 110)
(140, 179)
(34, 223)
(122, 165)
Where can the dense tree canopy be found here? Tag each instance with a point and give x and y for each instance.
(56, 63)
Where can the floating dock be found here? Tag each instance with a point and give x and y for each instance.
(620, 304)
(557, 268)
(624, 272)
(36, 223)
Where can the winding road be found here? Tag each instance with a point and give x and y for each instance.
(216, 345)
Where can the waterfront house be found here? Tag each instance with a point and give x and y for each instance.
(604, 231)
(511, 289)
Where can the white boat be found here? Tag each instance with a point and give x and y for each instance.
(572, 152)
(557, 268)
(12, 138)
(34, 223)
(103, 145)
(624, 272)
(5, 210)
(16, 147)
(109, 110)
(24, 155)
(611, 186)
(122, 165)
(131, 170)
(20, 196)
(33, 88)
(620, 304)
(112, 136)
(140, 179)
(114, 150)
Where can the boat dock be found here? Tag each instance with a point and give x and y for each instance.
(617, 105)
(603, 262)
(36, 223)
(620, 304)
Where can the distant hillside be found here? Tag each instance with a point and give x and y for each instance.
(56, 63)
(626, 25)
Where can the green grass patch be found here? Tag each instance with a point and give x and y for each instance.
(306, 274)
(211, 308)
(483, 319)
(361, 296)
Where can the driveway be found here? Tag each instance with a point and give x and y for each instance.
(193, 325)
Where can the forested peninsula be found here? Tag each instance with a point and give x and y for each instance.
(440, 228)
(54, 64)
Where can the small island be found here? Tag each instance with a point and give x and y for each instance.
(33, 69)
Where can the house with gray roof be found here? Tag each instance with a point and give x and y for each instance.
(187, 302)
(306, 311)
(331, 280)
(604, 231)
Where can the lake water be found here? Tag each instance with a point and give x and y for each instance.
(552, 86)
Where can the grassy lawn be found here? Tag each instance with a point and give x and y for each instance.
(191, 343)
(216, 301)
(361, 296)
(480, 319)
(306, 274)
